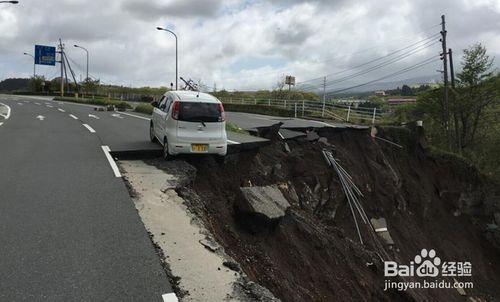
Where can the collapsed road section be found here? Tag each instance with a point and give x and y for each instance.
(314, 217)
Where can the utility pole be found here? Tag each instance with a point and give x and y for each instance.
(324, 97)
(444, 57)
(455, 117)
(61, 52)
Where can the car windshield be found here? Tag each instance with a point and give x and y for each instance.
(199, 112)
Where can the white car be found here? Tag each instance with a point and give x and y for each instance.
(189, 122)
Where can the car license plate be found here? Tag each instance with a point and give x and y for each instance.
(199, 148)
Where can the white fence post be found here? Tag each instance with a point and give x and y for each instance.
(303, 107)
(255, 101)
(269, 102)
(374, 113)
(285, 103)
(295, 109)
(348, 113)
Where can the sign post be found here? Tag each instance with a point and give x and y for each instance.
(45, 55)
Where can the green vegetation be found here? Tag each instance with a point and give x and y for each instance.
(233, 128)
(144, 108)
(469, 125)
(97, 101)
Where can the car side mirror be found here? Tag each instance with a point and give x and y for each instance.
(155, 104)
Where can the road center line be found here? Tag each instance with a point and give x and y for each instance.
(61, 110)
(112, 163)
(50, 106)
(89, 128)
(74, 117)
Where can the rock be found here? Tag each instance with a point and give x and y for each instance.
(324, 141)
(312, 136)
(267, 201)
(209, 244)
(232, 265)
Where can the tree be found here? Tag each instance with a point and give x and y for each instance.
(474, 94)
(406, 90)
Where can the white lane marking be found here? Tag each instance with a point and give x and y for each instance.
(137, 116)
(116, 115)
(1, 124)
(233, 142)
(112, 163)
(40, 117)
(20, 104)
(38, 104)
(89, 128)
(7, 115)
(61, 110)
(74, 117)
(171, 297)
(94, 116)
(50, 106)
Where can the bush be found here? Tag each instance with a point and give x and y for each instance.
(144, 108)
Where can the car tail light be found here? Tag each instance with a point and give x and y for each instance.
(222, 112)
(175, 110)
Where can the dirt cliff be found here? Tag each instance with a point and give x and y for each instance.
(429, 199)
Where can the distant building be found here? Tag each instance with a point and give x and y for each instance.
(380, 93)
(395, 102)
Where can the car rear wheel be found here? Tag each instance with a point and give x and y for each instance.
(166, 155)
(152, 136)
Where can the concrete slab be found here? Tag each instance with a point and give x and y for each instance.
(267, 201)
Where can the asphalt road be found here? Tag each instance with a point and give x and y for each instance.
(68, 228)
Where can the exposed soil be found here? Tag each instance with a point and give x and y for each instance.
(314, 254)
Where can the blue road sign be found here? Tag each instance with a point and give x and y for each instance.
(45, 55)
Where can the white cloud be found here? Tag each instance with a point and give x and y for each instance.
(237, 44)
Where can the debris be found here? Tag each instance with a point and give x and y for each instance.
(267, 201)
(380, 227)
(287, 148)
(312, 136)
(209, 244)
(232, 265)
(324, 141)
(460, 290)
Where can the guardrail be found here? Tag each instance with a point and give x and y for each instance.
(306, 108)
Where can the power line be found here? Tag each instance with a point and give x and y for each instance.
(405, 70)
(383, 64)
(426, 40)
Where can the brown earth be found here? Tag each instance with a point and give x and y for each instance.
(430, 200)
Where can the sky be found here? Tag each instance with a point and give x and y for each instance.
(248, 45)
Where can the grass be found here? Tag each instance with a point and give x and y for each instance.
(100, 102)
(233, 128)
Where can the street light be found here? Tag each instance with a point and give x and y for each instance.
(176, 54)
(11, 2)
(34, 75)
(28, 54)
(87, 78)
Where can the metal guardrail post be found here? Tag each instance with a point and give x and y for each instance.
(269, 102)
(374, 113)
(295, 109)
(255, 101)
(303, 107)
(285, 104)
(348, 113)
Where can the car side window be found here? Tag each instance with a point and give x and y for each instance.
(168, 104)
(162, 103)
